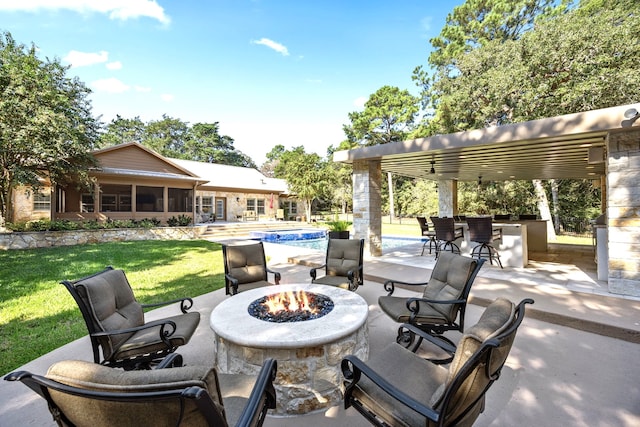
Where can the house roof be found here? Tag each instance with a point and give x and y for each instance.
(569, 146)
(233, 177)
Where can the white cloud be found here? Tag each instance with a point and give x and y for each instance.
(166, 97)
(111, 85)
(360, 101)
(272, 45)
(115, 65)
(116, 9)
(83, 59)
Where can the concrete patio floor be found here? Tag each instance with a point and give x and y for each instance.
(574, 361)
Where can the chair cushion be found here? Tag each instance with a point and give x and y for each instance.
(448, 280)
(246, 263)
(112, 303)
(148, 340)
(337, 281)
(92, 376)
(343, 255)
(409, 373)
(396, 308)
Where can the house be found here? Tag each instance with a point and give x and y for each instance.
(135, 182)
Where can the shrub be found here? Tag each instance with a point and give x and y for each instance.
(180, 221)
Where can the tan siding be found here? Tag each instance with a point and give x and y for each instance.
(135, 159)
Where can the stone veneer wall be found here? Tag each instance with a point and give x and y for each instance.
(623, 212)
(46, 239)
(367, 220)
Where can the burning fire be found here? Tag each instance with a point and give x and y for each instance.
(289, 301)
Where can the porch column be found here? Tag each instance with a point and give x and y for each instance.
(623, 212)
(447, 197)
(367, 215)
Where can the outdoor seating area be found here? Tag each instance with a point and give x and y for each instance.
(528, 367)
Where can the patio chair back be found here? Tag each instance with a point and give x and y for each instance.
(245, 267)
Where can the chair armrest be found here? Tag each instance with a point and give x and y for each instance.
(353, 368)
(173, 360)
(163, 333)
(185, 304)
(437, 341)
(262, 397)
(413, 304)
(234, 283)
(313, 271)
(276, 275)
(390, 285)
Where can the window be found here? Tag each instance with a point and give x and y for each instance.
(149, 199)
(42, 202)
(180, 200)
(207, 204)
(256, 205)
(115, 198)
(291, 207)
(87, 203)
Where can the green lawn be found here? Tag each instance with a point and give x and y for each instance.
(37, 314)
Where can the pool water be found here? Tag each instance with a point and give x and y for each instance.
(388, 242)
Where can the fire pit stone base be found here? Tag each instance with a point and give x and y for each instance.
(309, 353)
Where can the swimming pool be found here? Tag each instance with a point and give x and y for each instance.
(281, 236)
(388, 242)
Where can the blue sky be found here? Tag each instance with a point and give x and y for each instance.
(270, 72)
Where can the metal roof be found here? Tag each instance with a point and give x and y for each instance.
(570, 146)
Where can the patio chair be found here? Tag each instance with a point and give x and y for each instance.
(427, 232)
(80, 393)
(397, 387)
(446, 234)
(343, 265)
(245, 267)
(481, 231)
(115, 320)
(444, 298)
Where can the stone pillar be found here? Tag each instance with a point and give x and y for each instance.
(367, 210)
(447, 197)
(623, 211)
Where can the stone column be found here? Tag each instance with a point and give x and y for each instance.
(447, 197)
(623, 211)
(367, 214)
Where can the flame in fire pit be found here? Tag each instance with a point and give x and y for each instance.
(290, 306)
(289, 301)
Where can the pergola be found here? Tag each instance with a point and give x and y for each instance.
(602, 145)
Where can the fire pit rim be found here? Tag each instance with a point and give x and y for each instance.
(231, 320)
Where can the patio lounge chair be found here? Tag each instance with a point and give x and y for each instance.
(245, 267)
(80, 393)
(115, 320)
(397, 387)
(444, 299)
(343, 265)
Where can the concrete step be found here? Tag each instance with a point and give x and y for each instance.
(244, 229)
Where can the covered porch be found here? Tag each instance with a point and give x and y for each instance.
(600, 145)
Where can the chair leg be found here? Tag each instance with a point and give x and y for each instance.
(485, 250)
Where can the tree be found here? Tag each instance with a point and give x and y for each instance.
(306, 174)
(388, 116)
(121, 130)
(207, 145)
(46, 126)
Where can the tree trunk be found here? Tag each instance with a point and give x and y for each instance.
(391, 204)
(556, 205)
(543, 207)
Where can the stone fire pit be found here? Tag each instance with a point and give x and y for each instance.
(308, 352)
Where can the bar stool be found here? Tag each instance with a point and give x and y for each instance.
(481, 231)
(431, 234)
(446, 234)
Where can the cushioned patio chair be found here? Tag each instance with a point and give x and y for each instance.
(81, 393)
(397, 387)
(444, 298)
(446, 234)
(343, 265)
(245, 267)
(427, 232)
(115, 320)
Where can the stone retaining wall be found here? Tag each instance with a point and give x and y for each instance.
(46, 239)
